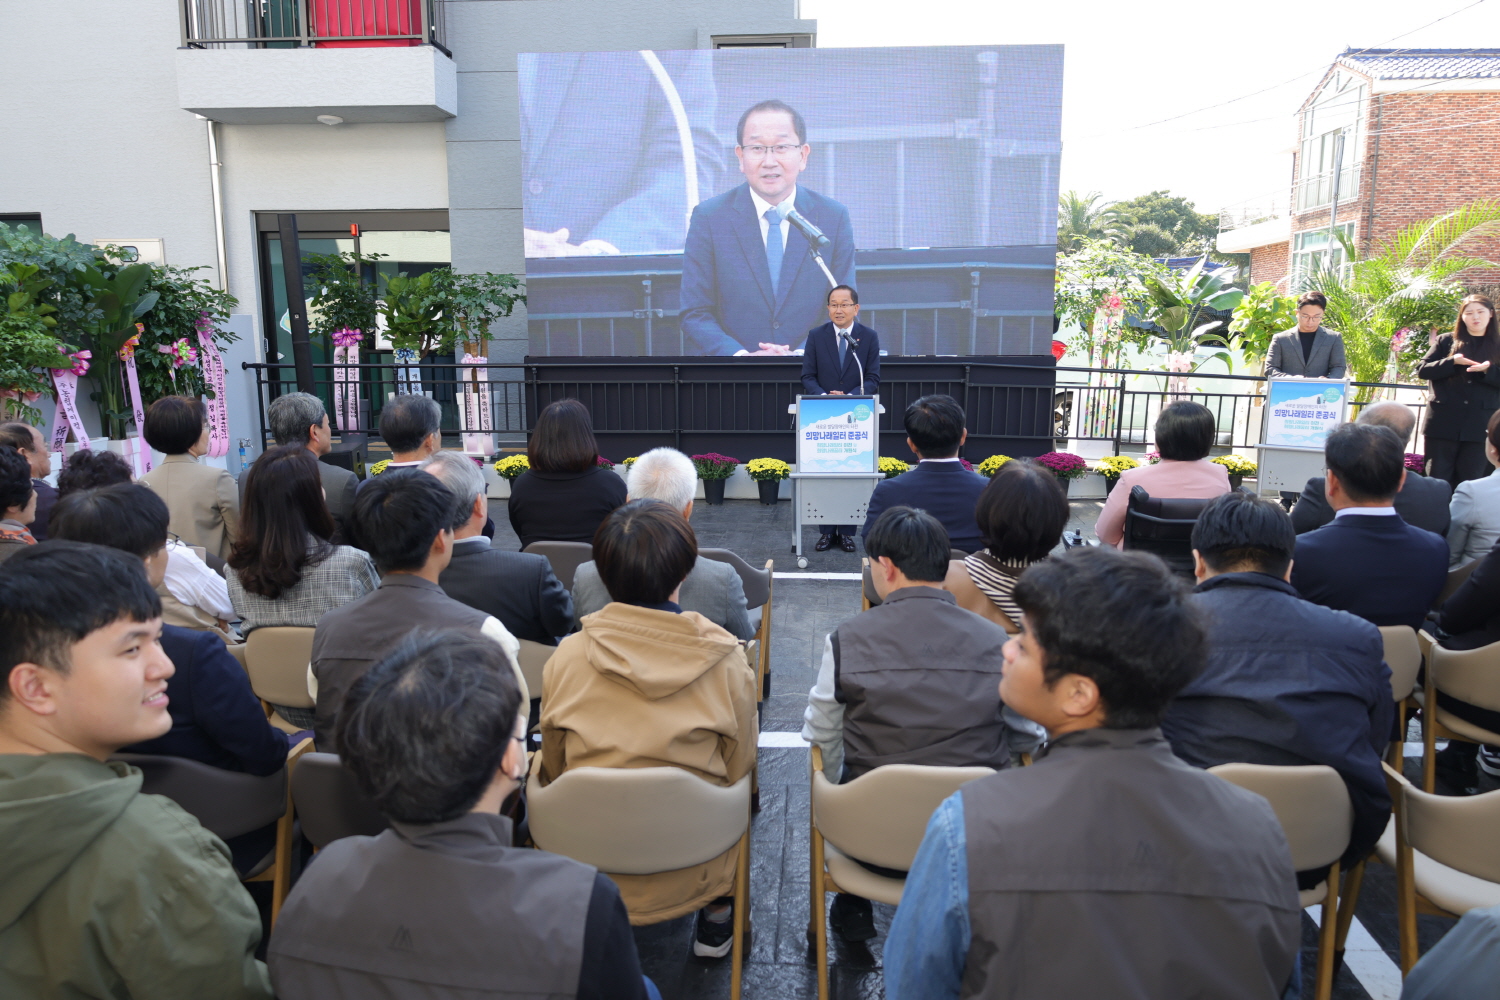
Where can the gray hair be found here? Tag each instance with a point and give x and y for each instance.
(1396, 416)
(292, 416)
(406, 420)
(664, 474)
(458, 472)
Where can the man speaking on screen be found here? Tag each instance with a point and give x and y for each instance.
(749, 285)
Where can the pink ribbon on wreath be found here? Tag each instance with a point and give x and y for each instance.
(141, 455)
(346, 377)
(181, 352)
(213, 373)
(65, 382)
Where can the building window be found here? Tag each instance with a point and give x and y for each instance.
(1311, 255)
(1339, 109)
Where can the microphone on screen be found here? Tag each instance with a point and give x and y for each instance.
(813, 233)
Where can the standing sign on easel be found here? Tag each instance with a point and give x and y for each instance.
(836, 434)
(1300, 413)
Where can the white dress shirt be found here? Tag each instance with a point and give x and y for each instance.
(1367, 511)
(191, 581)
(787, 204)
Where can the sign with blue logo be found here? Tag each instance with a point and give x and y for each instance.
(1300, 413)
(836, 434)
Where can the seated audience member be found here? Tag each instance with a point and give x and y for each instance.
(299, 418)
(204, 501)
(434, 734)
(713, 588)
(566, 493)
(518, 588)
(1422, 500)
(1368, 560)
(1184, 437)
(1468, 620)
(1021, 515)
(108, 892)
(33, 446)
(911, 681)
(1109, 868)
(646, 684)
(411, 426)
(192, 595)
(1286, 682)
(1464, 965)
(938, 483)
(216, 718)
(1476, 507)
(404, 516)
(17, 502)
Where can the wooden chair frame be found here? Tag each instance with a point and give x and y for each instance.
(280, 872)
(1432, 729)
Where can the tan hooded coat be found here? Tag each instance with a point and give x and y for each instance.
(644, 688)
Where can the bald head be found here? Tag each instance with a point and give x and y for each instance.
(1396, 416)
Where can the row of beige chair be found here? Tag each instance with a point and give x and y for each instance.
(1469, 675)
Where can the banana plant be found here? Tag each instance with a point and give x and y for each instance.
(121, 299)
(1178, 302)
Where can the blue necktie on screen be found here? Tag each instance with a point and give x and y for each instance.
(843, 346)
(774, 248)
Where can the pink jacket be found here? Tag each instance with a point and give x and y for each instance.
(1192, 480)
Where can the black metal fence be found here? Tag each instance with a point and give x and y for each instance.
(285, 24)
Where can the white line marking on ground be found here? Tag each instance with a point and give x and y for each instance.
(817, 576)
(1374, 969)
(793, 740)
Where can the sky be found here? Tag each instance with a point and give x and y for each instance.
(1142, 79)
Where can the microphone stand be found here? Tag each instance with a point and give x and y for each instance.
(848, 338)
(832, 281)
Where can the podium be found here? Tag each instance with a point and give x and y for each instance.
(838, 452)
(1299, 414)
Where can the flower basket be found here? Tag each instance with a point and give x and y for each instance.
(1416, 463)
(1238, 468)
(892, 467)
(991, 465)
(605, 463)
(768, 474)
(714, 469)
(1065, 465)
(1111, 466)
(512, 466)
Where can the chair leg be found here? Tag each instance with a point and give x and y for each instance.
(1348, 900)
(1429, 750)
(1327, 935)
(818, 919)
(1406, 908)
(281, 881)
(741, 916)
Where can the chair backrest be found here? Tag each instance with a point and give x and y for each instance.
(637, 821)
(880, 816)
(868, 583)
(1455, 831)
(1403, 656)
(1456, 578)
(757, 582)
(330, 803)
(1470, 675)
(533, 658)
(1164, 526)
(227, 803)
(958, 554)
(276, 659)
(565, 558)
(1310, 800)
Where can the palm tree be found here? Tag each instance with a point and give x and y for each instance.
(1080, 217)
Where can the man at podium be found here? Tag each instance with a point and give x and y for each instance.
(835, 357)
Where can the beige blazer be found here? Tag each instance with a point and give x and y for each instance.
(203, 501)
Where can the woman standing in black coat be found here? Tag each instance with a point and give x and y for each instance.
(1465, 391)
(566, 493)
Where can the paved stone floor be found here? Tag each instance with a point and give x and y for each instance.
(779, 965)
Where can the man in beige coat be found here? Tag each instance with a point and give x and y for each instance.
(645, 684)
(203, 501)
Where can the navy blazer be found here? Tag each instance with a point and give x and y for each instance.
(1375, 566)
(727, 303)
(946, 490)
(820, 361)
(216, 718)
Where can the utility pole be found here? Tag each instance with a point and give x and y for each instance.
(1333, 208)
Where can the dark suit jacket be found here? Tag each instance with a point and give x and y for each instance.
(1461, 403)
(1375, 566)
(216, 718)
(46, 496)
(727, 303)
(1327, 360)
(517, 588)
(339, 486)
(1471, 616)
(1422, 503)
(562, 506)
(820, 361)
(946, 490)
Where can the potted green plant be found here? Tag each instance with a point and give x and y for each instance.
(1110, 467)
(120, 299)
(28, 345)
(714, 469)
(1065, 465)
(1238, 468)
(991, 465)
(892, 467)
(768, 474)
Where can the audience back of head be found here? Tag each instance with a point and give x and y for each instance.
(1397, 416)
(664, 474)
(563, 440)
(407, 420)
(424, 730)
(463, 479)
(643, 551)
(1121, 619)
(398, 514)
(282, 520)
(1241, 533)
(1184, 431)
(173, 424)
(126, 516)
(293, 415)
(87, 469)
(1022, 512)
(913, 540)
(935, 426)
(14, 434)
(1367, 459)
(15, 480)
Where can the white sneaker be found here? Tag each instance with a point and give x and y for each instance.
(1489, 760)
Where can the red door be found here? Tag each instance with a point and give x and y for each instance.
(357, 20)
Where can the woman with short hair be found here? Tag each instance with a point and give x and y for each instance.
(17, 502)
(646, 684)
(1184, 437)
(203, 500)
(566, 493)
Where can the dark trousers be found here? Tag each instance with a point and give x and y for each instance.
(1456, 461)
(847, 530)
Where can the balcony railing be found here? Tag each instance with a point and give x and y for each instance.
(286, 24)
(1253, 211)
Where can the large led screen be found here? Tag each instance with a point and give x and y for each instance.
(673, 201)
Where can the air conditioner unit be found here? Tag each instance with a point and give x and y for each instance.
(149, 251)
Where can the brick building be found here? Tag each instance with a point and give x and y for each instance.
(1420, 131)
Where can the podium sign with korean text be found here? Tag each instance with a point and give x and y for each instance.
(1300, 413)
(837, 434)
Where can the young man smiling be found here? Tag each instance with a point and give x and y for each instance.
(1109, 868)
(104, 892)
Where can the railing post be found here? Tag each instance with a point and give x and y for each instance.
(426, 22)
(677, 407)
(973, 313)
(1119, 410)
(182, 17)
